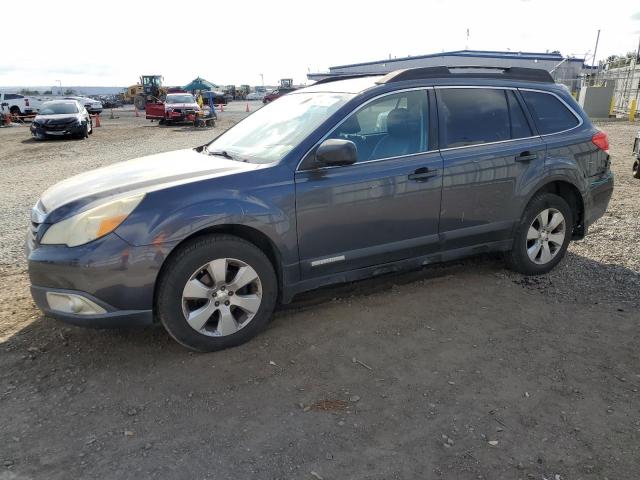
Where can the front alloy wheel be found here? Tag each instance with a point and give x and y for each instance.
(221, 297)
(216, 291)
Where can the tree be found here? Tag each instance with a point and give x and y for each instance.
(26, 91)
(69, 91)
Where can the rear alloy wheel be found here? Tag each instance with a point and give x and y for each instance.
(215, 292)
(543, 235)
(546, 236)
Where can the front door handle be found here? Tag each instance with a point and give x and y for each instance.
(526, 157)
(422, 174)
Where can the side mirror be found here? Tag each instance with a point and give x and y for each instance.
(334, 152)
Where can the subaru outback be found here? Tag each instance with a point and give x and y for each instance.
(343, 180)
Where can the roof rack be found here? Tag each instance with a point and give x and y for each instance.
(335, 78)
(508, 73)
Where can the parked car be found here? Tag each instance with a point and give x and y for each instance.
(18, 104)
(313, 190)
(177, 107)
(59, 118)
(218, 97)
(636, 154)
(94, 107)
(110, 101)
(275, 94)
(255, 96)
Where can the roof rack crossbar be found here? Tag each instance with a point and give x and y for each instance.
(508, 73)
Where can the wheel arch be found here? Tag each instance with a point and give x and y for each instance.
(249, 234)
(571, 194)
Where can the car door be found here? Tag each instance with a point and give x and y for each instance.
(489, 150)
(384, 207)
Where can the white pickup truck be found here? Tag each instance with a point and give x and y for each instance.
(19, 104)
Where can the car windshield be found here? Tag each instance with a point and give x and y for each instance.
(58, 108)
(180, 99)
(273, 131)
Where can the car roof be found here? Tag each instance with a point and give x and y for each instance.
(428, 76)
(64, 100)
(349, 85)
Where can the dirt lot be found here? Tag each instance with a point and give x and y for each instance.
(460, 371)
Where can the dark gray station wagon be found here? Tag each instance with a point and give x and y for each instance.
(343, 180)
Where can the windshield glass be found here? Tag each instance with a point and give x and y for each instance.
(180, 99)
(58, 108)
(273, 131)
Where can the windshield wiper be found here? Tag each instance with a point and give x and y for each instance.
(221, 153)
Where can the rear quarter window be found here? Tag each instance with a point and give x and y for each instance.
(549, 113)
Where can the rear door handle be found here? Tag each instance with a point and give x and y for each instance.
(526, 157)
(422, 174)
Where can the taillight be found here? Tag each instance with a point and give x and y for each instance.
(601, 140)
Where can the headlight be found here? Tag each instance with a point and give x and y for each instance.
(91, 224)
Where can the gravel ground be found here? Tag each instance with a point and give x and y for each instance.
(461, 371)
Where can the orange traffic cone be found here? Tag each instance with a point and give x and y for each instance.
(97, 121)
(247, 109)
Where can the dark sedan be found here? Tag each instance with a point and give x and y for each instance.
(60, 118)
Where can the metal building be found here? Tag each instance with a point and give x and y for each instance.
(564, 69)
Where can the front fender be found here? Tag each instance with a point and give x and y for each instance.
(170, 217)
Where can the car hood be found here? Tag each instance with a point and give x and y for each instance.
(181, 105)
(58, 118)
(141, 175)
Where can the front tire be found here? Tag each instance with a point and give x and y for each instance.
(543, 235)
(216, 292)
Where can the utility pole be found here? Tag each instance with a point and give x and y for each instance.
(595, 50)
(634, 68)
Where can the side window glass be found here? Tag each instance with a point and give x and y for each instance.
(391, 126)
(519, 126)
(549, 113)
(472, 116)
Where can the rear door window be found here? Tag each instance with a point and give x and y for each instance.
(472, 116)
(549, 113)
(519, 126)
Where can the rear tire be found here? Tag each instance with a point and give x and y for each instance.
(539, 244)
(223, 311)
(636, 169)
